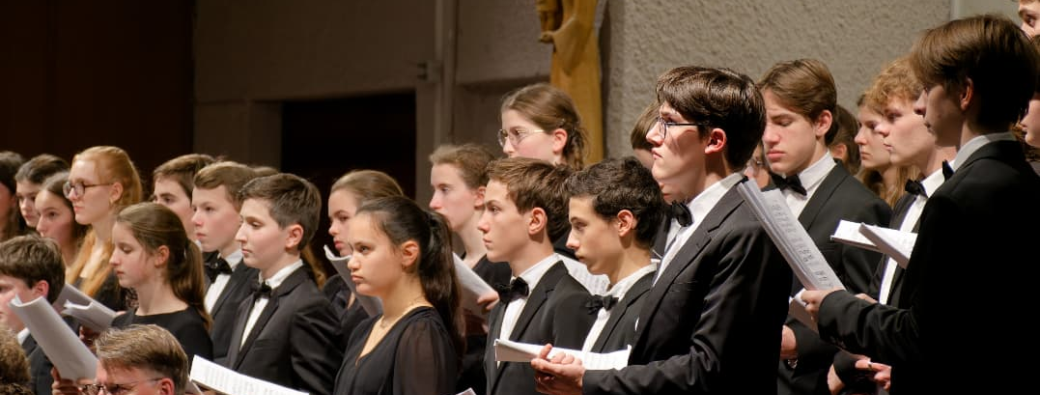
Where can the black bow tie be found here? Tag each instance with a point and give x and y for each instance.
(947, 170)
(915, 188)
(516, 289)
(597, 302)
(217, 267)
(261, 290)
(681, 213)
(793, 183)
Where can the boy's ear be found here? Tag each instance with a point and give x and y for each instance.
(293, 237)
(537, 222)
(823, 123)
(626, 223)
(479, 203)
(967, 92)
(716, 141)
(410, 253)
(41, 288)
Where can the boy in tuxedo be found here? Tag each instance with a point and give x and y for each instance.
(30, 267)
(525, 209)
(800, 100)
(615, 211)
(712, 318)
(978, 75)
(215, 201)
(286, 333)
(173, 183)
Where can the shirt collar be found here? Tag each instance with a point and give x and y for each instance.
(621, 288)
(975, 143)
(933, 181)
(535, 273)
(282, 274)
(701, 205)
(22, 335)
(234, 258)
(813, 175)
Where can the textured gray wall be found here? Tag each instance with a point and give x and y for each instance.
(643, 39)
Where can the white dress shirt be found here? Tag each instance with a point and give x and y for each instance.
(218, 285)
(532, 275)
(618, 291)
(913, 213)
(700, 206)
(811, 178)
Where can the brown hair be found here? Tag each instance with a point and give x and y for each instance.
(182, 169)
(9, 164)
(990, 51)
(401, 219)
(622, 184)
(717, 98)
(643, 124)
(14, 366)
(896, 81)
(55, 185)
(231, 175)
(366, 185)
(40, 167)
(806, 86)
(551, 108)
(154, 226)
(32, 259)
(469, 159)
(843, 131)
(290, 200)
(146, 347)
(113, 164)
(535, 183)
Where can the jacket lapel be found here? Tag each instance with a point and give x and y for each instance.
(641, 287)
(238, 279)
(294, 279)
(822, 195)
(537, 298)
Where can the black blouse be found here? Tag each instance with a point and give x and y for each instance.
(186, 326)
(415, 357)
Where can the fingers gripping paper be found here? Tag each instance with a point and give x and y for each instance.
(790, 237)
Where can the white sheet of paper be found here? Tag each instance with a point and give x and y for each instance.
(510, 351)
(473, 287)
(896, 244)
(790, 237)
(372, 305)
(94, 315)
(61, 345)
(227, 381)
(468, 391)
(848, 233)
(71, 294)
(796, 309)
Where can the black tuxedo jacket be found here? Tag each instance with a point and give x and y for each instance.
(620, 329)
(965, 242)
(711, 323)
(570, 320)
(294, 343)
(533, 325)
(225, 310)
(840, 196)
(39, 367)
(898, 215)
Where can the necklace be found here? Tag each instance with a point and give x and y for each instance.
(385, 323)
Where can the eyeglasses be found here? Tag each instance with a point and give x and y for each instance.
(113, 389)
(663, 125)
(79, 187)
(514, 135)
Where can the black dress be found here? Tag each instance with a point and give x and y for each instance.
(350, 316)
(471, 375)
(415, 357)
(186, 326)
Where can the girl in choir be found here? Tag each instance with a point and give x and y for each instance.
(540, 121)
(458, 180)
(154, 257)
(11, 222)
(29, 180)
(878, 173)
(57, 220)
(349, 192)
(102, 181)
(402, 255)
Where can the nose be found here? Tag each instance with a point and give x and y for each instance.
(196, 219)
(354, 264)
(572, 241)
(333, 229)
(654, 135)
(861, 136)
(240, 236)
(483, 226)
(435, 201)
(919, 105)
(508, 149)
(770, 136)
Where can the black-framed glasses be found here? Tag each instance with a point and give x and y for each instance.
(79, 187)
(514, 136)
(114, 389)
(663, 125)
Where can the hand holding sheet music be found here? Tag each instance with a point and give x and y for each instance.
(790, 237)
(510, 351)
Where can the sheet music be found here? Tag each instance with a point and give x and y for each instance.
(372, 305)
(71, 294)
(510, 351)
(61, 345)
(473, 287)
(226, 381)
(596, 284)
(848, 233)
(790, 237)
(796, 309)
(896, 244)
(94, 315)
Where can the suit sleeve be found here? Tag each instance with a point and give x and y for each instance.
(750, 279)
(315, 353)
